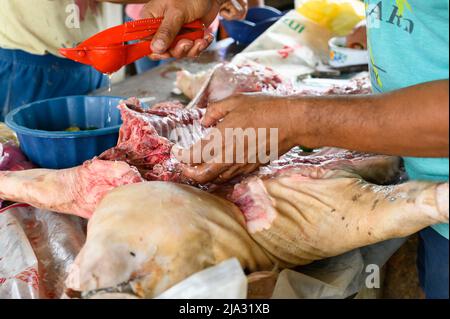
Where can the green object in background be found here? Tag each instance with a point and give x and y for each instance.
(77, 129)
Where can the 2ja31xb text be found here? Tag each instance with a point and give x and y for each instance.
(226, 309)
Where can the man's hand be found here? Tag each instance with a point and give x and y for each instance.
(247, 111)
(177, 13)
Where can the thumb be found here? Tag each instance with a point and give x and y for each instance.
(217, 111)
(171, 25)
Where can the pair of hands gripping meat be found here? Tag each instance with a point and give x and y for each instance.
(177, 13)
(264, 111)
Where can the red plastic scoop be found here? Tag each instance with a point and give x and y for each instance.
(108, 50)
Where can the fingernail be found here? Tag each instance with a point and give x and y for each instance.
(186, 47)
(155, 57)
(158, 45)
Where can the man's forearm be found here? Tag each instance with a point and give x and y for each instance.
(409, 122)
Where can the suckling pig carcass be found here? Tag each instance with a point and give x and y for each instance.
(169, 231)
(153, 235)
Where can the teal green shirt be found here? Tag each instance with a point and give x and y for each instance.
(408, 45)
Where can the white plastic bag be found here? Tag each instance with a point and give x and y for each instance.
(223, 281)
(36, 248)
(293, 42)
(337, 277)
(298, 42)
(19, 276)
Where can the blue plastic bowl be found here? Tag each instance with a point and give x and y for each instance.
(40, 127)
(258, 20)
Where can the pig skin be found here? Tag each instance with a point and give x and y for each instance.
(74, 191)
(155, 234)
(359, 213)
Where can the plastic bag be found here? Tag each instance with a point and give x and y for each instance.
(292, 40)
(337, 277)
(298, 42)
(223, 281)
(293, 46)
(338, 16)
(36, 248)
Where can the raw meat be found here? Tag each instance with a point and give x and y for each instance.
(190, 84)
(292, 212)
(378, 169)
(227, 79)
(360, 86)
(147, 136)
(74, 191)
(12, 159)
(152, 235)
(357, 86)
